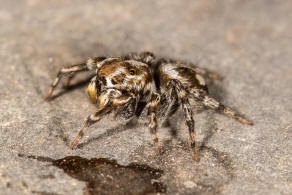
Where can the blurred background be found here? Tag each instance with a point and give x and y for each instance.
(247, 42)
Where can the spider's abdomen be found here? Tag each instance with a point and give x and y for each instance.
(188, 77)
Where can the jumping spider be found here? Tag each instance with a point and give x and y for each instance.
(139, 80)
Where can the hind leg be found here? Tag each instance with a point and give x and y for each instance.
(181, 93)
(214, 104)
(152, 119)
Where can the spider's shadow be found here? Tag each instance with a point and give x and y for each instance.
(209, 128)
(222, 158)
(216, 90)
(109, 132)
(219, 93)
(58, 128)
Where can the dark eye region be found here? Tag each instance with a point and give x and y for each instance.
(130, 68)
(132, 71)
(103, 80)
(118, 79)
(113, 81)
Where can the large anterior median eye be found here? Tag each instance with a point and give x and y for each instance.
(113, 81)
(132, 71)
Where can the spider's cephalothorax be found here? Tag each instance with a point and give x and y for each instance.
(136, 81)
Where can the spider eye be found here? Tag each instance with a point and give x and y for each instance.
(113, 81)
(132, 71)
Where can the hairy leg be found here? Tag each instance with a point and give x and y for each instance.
(188, 113)
(152, 119)
(107, 104)
(214, 104)
(72, 70)
(91, 119)
(173, 99)
(170, 104)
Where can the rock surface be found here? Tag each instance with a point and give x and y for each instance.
(248, 42)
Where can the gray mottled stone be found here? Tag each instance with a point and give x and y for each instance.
(248, 42)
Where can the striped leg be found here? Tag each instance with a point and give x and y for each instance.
(188, 113)
(214, 104)
(106, 106)
(72, 70)
(152, 119)
(91, 119)
(64, 71)
(173, 99)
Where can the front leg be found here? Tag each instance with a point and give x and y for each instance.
(91, 119)
(152, 119)
(107, 103)
(188, 113)
(71, 71)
